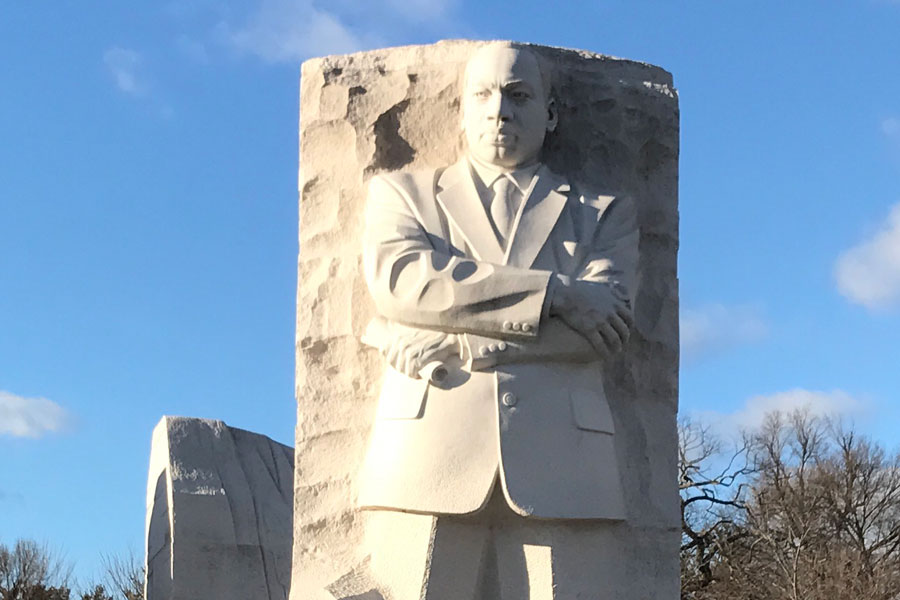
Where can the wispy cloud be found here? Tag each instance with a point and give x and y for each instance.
(751, 415)
(833, 403)
(11, 496)
(869, 273)
(891, 125)
(716, 327)
(290, 30)
(124, 65)
(422, 10)
(30, 417)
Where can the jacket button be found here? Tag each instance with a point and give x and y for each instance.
(516, 326)
(526, 327)
(507, 325)
(509, 399)
(483, 351)
(501, 346)
(492, 348)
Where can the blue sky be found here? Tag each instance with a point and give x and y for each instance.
(148, 218)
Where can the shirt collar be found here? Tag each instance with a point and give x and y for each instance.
(488, 174)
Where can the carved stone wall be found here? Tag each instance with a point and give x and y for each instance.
(398, 108)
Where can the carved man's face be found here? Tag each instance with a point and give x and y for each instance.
(506, 111)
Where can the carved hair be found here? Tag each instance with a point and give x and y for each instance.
(544, 68)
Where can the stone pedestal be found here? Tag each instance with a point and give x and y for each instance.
(398, 108)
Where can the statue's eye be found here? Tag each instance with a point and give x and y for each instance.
(482, 94)
(519, 95)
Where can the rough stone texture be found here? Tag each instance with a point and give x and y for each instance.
(398, 108)
(218, 513)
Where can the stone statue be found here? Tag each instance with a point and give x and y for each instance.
(519, 283)
(487, 326)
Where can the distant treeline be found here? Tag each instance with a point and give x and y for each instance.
(803, 509)
(31, 571)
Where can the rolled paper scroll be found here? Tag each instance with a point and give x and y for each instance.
(435, 372)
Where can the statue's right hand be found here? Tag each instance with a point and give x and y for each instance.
(409, 349)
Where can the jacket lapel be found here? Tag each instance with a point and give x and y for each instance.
(542, 209)
(458, 197)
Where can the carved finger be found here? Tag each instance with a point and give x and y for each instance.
(621, 327)
(597, 342)
(410, 365)
(391, 355)
(451, 344)
(624, 313)
(611, 336)
(437, 349)
(438, 344)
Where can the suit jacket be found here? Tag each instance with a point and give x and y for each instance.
(530, 410)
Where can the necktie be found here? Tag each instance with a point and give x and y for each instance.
(503, 210)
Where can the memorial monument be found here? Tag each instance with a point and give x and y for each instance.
(498, 222)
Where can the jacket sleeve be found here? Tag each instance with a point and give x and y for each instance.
(557, 342)
(414, 279)
(611, 257)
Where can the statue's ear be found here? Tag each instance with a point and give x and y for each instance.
(552, 114)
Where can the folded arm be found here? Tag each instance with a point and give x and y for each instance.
(590, 309)
(416, 283)
(506, 313)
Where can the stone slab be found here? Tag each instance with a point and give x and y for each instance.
(219, 512)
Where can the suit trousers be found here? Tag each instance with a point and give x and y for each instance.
(495, 554)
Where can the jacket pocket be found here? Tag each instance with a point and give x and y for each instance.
(401, 397)
(591, 411)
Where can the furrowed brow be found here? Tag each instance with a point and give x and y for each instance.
(518, 83)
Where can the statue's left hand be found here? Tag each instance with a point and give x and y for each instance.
(409, 349)
(599, 311)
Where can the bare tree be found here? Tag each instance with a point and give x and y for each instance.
(712, 485)
(122, 579)
(820, 520)
(30, 571)
(125, 576)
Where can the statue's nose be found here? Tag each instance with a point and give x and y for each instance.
(499, 107)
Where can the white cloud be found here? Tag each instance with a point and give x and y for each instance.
(869, 273)
(832, 403)
(124, 65)
(751, 415)
(290, 30)
(294, 30)
(891, 127)
(715, 327)
(30, 417)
